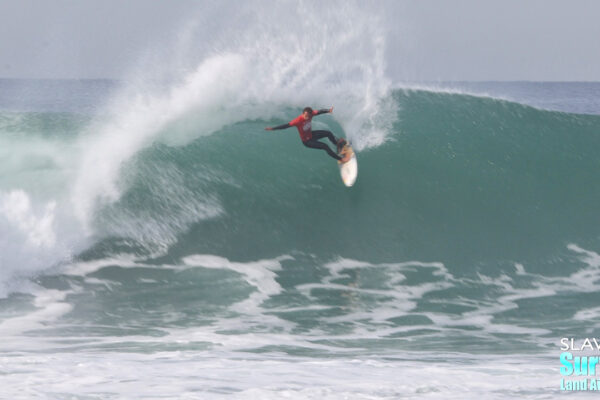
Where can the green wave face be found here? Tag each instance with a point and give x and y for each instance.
(468, 180)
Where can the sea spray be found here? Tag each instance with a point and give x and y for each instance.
(255, 74)
(245, 71)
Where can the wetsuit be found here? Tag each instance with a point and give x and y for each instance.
(309, 137)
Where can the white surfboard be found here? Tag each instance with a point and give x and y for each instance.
(349, 169)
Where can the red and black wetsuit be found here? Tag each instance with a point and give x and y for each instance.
(309, 137)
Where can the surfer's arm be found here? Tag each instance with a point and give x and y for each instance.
(284, 126)
(324, 111)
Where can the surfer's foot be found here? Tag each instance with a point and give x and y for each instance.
(345, 159)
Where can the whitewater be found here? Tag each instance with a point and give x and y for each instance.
(157, 242)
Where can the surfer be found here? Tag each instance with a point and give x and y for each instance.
(311, 138)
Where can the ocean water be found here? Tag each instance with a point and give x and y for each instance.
(156, 242)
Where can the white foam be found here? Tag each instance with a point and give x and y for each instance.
(397, 298)
(50, 306)
(393, 296)
(583, 280)
(588, 314)
(520, 269)
(260, 274)
(591, 258)
(37, 228)
(198, 375)
(82, 268)
(33, 237)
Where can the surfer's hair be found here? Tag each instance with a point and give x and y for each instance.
(307, 109)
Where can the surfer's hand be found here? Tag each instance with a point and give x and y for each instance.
(268, 128)
(330, 110)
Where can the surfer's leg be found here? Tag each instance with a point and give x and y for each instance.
(321, 134)
(315, 144)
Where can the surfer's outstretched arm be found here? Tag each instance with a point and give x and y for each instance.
(324, 111)
(284, 126)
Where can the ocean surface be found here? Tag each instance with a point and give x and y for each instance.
(156, 242)
(198, 256)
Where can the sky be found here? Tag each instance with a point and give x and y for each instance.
(427, 40)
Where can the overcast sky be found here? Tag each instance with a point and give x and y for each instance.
(428, 39)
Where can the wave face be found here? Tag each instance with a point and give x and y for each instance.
(463, 179)
(487, 180)
(469, 180)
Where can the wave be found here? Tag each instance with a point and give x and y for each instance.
(251, 71)
(468, 180)
(459, 178)
(169, 170)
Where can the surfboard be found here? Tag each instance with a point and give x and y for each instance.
(349, 169)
